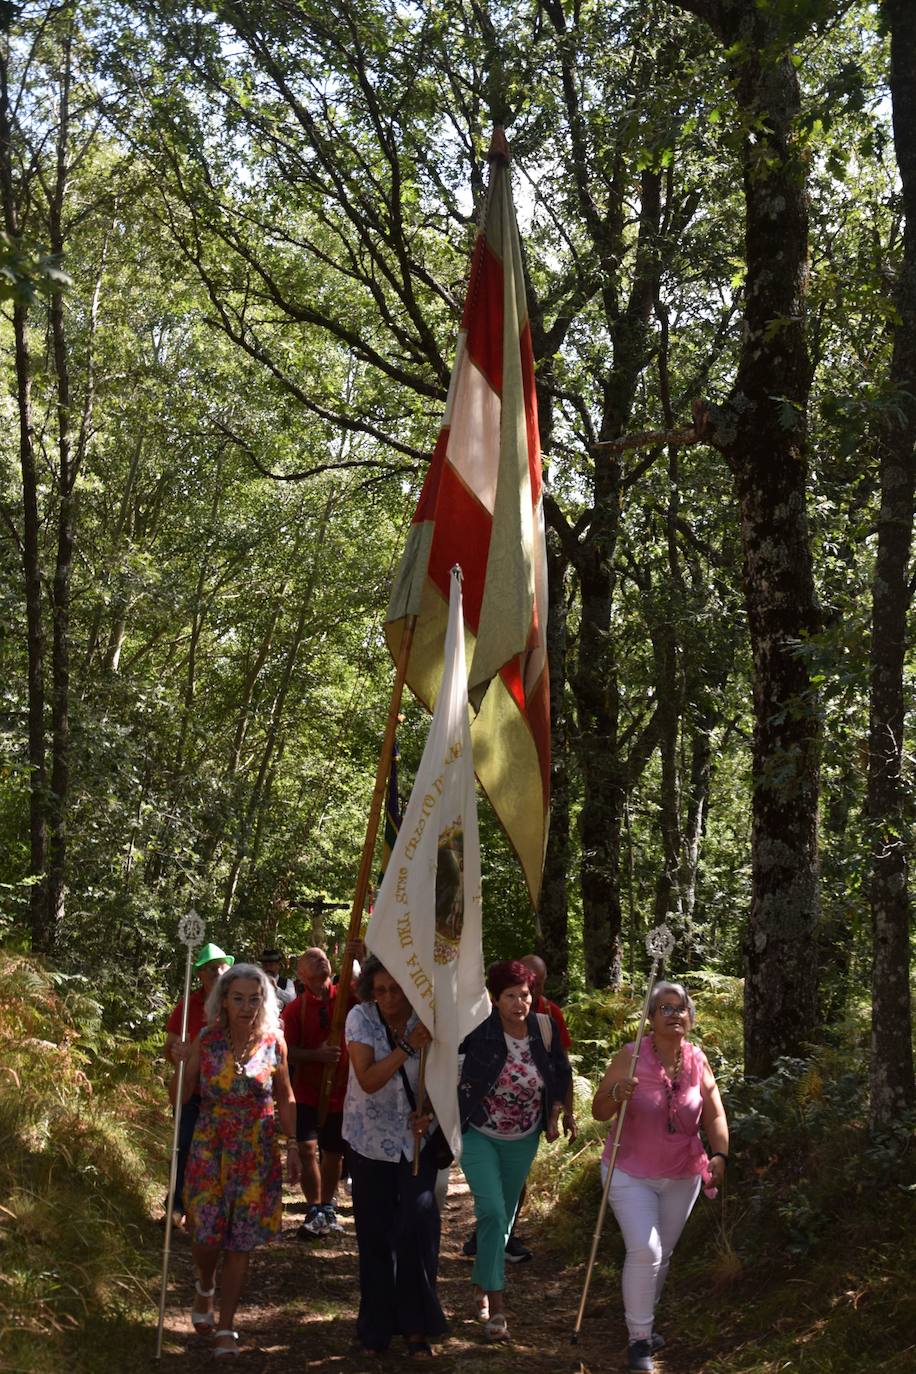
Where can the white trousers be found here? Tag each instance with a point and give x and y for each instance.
(651, 1213)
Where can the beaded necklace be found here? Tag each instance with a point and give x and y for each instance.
(671, 1083)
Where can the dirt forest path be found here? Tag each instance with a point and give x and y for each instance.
(299, 1311)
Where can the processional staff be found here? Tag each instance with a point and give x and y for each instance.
(191, 934)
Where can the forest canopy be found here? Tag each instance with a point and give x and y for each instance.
(235, 248)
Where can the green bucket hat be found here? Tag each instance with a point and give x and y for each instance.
(210, 953)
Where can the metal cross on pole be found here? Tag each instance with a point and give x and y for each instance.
(659, 944)
(191, 934)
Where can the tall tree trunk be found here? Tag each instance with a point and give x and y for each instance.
(118, 626)
(595, 681)
(601, 190)
(553, 915)
(275, 722)
(695, 822)
(762, 433)
(892, 1087)
(66, 536)
(597, 694)
(665, 617)
(31, 552)
(259, 791)
(243, 719)
(35, 643)
(667, 677)
(214, 827)
(198, 616)
(769, 459)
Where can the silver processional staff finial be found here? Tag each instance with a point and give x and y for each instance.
(660, 943)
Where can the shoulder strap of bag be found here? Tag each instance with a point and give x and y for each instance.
(412, 1101)
(545, 1025)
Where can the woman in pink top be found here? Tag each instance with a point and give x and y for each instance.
(661, 1162)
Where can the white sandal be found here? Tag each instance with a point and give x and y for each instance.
(203, 1321)
(497, 1328)
(232, 1349)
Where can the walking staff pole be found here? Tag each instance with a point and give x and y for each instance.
(365, 868)
(659, 944)
(190, 933)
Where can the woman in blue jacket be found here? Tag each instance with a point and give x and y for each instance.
(514, 1081)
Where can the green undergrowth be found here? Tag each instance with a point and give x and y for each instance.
(806, 1262)
(81, 1137)
(601, 1022)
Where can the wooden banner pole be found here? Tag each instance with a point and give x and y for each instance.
(354, 930)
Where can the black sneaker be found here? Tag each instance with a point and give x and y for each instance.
(315, 1224)
(331, 1219)
(469, 1247)
(639, 1357)
(516, 1253)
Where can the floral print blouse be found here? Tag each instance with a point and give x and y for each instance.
(514, 1106)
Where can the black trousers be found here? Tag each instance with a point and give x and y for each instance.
(189, 1114)
(397, 1230)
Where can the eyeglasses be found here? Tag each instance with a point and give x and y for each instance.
(669, 1010)
(239, 999)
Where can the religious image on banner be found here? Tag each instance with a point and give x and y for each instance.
(426, 926)
(449, 894)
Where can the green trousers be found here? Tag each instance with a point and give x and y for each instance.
(496, 1168)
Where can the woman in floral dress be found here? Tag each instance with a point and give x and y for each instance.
(514, 1081)
(234, 1178)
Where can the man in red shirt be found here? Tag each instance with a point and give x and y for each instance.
(546, 1007)
(210, 963)
(541, 1003)
(306, 1025)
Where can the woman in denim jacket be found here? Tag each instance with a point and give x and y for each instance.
(514, 1081)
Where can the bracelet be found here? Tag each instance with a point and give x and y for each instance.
(717, 1154)
(403, 1045)
(614, 1097)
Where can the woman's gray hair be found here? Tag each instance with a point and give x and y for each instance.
(267, 1020)
(366, 978)
(660, 990)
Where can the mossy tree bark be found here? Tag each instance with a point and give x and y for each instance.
(29, 541)
(553, 912)
(892, 1087)
(761, 432)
